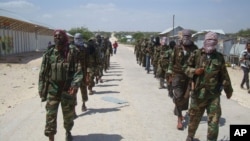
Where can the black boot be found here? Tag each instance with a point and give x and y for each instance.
(68, 136)
(84, 108)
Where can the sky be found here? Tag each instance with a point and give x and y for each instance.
(135, 15)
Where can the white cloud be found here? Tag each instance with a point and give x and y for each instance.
(21, 7)
(20, 4)
(99, 7)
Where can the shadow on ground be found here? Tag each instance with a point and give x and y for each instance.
(106, 92)
(98, 137)
(91, 111)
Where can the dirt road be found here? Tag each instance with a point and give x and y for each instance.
(128, 106)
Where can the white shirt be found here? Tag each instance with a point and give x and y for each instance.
(245, 63)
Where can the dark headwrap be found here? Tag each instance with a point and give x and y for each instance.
(157, 41)
(91, 46)
(172, 44)
(62, 43)
(65, 41)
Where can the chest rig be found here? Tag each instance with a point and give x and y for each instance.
(63, 65)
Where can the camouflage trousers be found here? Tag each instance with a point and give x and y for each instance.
(180, 84)
(54, 98)
(84, 92)
(196, 111)
(106, 62)
(99, 70)
(91, 74)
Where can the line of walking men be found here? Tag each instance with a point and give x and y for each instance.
(65, 68)
(199, 74)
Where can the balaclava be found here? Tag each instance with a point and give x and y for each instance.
(78, 39)
(186, 39)
(210, 42)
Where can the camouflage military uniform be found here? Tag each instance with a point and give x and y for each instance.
(107, 53)
(143, 52)
(156, 56)
(136, 50)
(180, 81)
(83, 59)
(100, 51)
(93, 61)
(162, 67)
(64, 72)
(207, 91)
(140, 53)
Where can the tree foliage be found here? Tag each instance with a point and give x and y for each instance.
(138, 35)
(84, 31)
(244, 33)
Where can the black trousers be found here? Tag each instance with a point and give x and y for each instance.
(245, 78)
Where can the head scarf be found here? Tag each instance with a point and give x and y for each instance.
(172, 44)
(78, 39)
(210, 42)
(157, 40)
(185, 38)
(64, 39)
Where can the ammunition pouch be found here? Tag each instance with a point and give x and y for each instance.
(59, 71)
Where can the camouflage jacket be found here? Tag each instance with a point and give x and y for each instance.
(94, 55)
(177, 62)
(83, 56)
(164, 58)
(156, 55)
(67, 64)
(215, 77)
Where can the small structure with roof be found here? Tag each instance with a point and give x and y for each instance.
(199, 36)
(171, 33)
(18, 34)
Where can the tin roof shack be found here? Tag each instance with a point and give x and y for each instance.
(171, 33)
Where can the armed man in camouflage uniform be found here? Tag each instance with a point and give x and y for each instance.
(59, 78)
(207, 68)
(163, 64)
(136, 50)
(108, 51)
(83, 57)
(100, 50)
(93, 62)
(180, 81)
(143, 51)
(156, 54)
(140, 52)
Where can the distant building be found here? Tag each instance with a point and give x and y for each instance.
(18, 35)
(129, 38)
(171, 33)
(200, 35)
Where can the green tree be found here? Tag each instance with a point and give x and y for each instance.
(83, 30)
(244, 33)
(138, 35)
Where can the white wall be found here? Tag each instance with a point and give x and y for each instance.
(14, 42)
